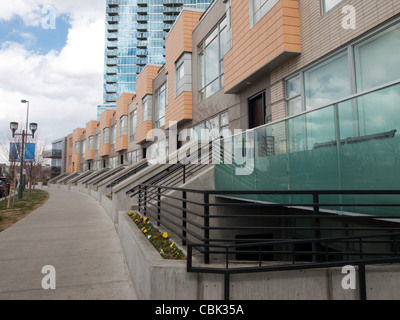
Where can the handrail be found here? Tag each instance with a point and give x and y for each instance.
(212, 232)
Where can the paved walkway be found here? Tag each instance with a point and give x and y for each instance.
(73, 233)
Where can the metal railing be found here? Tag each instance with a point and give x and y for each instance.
(263, 237)
(174, 175)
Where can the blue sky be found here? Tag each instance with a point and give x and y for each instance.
(35, 37)
(58, 70)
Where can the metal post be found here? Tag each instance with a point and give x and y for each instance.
(317, 224)
(184, 215)
(21, 190)
(362, 282)
(227, 286)
(206, 227)
(158, 206)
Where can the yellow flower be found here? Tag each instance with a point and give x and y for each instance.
(172, 245)
(165, 235)
(145, 231)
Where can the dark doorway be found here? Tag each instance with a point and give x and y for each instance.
(257, 111)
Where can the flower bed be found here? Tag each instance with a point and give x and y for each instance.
(159, 240)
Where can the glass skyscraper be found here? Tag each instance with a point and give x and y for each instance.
(135, 36)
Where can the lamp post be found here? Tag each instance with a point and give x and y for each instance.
(14, 127)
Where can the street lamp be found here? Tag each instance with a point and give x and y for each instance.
(14, 127)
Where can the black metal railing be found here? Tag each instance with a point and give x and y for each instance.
(291, 236)
(177, 174)
(130, 173)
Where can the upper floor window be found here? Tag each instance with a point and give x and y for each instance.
(106, 136)
(161, 103)
(183, 68)
(259, 8)
(329, 4)
(91, 142)
(133, 123)
(113, 134)
(146, 114)
(98, 141)
(77, 147)
(211, 53)
(123, 126)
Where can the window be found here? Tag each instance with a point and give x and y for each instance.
(91, 143)
(161, 103)
(123, 126)
(113, 134)
(211, 54)
(98, 141)
(133, 157)
(183, 66)
(324, 83)
(133, 123)
(106, 136)
(146, 114)
(77, 147)
(259, 8)
(363, 65)
(377, 59)
(327, 82)
(84, 148)
(329, 4)
(180, 71)
(211, 129)
(293, 95)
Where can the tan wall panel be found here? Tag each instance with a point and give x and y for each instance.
(253, 48)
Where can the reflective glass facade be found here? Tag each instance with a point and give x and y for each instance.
(135, 36)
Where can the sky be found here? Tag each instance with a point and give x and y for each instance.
(51, 54)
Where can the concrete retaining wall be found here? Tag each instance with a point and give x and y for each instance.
(159, 279)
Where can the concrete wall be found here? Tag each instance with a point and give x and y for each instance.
(158, 279)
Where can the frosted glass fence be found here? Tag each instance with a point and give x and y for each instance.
(350, 145)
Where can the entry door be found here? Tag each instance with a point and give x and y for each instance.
(256, 111)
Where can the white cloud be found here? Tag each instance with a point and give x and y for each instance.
(63, 87)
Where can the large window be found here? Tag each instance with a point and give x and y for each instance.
(329, 4)
(145, 107)
(113, 134)
(259, 8)
(123, 126)
(146, 114)
(91, 142)
(293, 95)
(98, 141)
(133, 123)
(77, 147)
(366, 64)
(106, 136)
(161, 103)
(211, 61)
(327, 82)
(377, 59)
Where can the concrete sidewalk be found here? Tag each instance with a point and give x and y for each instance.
(73, 233)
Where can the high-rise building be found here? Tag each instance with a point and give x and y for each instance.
(135, 36)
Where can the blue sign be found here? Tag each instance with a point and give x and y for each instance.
(15, 151)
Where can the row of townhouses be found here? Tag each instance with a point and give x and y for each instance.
(256, 96)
